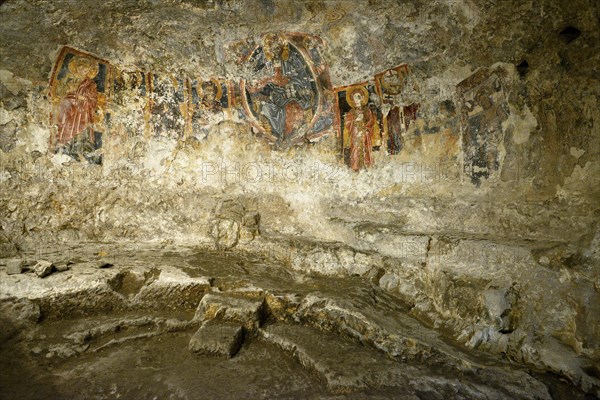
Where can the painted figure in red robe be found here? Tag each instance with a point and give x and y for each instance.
(360, 129)
(77, 110)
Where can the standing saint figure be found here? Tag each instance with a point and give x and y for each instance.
(361, 129)
(394, 120)
(77, 109)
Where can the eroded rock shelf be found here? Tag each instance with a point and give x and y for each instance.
(183, 315)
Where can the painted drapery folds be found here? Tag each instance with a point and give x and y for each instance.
(378, 119)
(484, 108)
(287, 95)
(79, 92)
(390, 84)
(398, 106)
(359, 124)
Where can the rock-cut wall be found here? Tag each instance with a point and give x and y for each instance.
(448, 151)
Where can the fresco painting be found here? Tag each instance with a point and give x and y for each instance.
(399, 112)
(168, 105)
(287, 99)
(484, 108)
(360, 124)
(207, 99)
(130, 103)
(79, 92)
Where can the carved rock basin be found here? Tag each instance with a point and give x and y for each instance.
(184, 323)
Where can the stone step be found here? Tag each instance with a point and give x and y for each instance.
(230, 307)
(403, 338)
(72, 338)
(217, 338)
(343, 365)
(346, 366)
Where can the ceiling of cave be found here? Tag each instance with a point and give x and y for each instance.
(362, 36)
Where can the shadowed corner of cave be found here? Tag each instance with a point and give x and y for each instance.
(267, 199)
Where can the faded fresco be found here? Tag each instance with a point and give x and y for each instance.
(288, 96)
(484, 108)
(398, 106)
(208, 101)
(287, 99)
(79, 92)
(360, 121)
(162, 105)
(130, 103)
(390, 84)
(168, 105)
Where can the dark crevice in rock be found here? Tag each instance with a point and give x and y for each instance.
(523, 68)
(570, 33)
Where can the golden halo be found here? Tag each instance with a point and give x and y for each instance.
(350, 96)
(83, 67)
(219, 92)
(215, 83)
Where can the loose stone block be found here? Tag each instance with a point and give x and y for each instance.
(43, 268)
(217, 338)
(15, 266)
(231, 308)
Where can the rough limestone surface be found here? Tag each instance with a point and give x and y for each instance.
(486, 223)
(360, 369)
(316, 335)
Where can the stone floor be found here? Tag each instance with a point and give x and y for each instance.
(162, 322)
